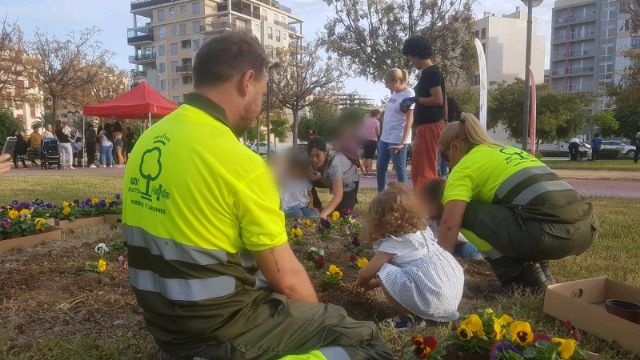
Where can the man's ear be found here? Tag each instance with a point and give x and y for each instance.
(245, 82)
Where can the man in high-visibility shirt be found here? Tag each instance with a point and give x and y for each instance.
(209, 260)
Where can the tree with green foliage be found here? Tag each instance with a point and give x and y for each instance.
(323, 118)
(627, 97)
(606, 122)
(352, 116)
(559, 115)
(280, 128)
(8, 125)
(467, 97)
(252, 134)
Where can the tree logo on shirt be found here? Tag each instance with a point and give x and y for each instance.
(150, 169)
(516, 156)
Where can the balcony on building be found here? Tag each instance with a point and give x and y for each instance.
(572, 54)
(224, 23)
(143, 58)
(185, 69)
(571, 19)
(574, 37)
(572, 71)
(141, 4)
(140, 35)
(138, 74)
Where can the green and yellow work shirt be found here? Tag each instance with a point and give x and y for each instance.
(514, 178)
(196, 202)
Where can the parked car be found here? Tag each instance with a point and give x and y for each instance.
(624, 149)
(261, 148)
(561, 149)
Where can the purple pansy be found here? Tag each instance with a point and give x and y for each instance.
(503, 347)
(6, 223)
(118, 197)
(102, 203)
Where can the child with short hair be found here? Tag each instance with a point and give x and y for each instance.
(421, 279)
(432, 194)
(295, 188)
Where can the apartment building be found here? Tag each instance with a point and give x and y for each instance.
(504, 39)
(589, 39)
(172, 31)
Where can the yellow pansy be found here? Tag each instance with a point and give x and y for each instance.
(25, 212)
(521, 332)
(108, 202)
(102, 265)
(362, 262)
(474, 324)
(66, 211)
(66, 204)
(308, 222)
(335, 215)
(464, 333)
(39, 223)
(296, 232)
(499, 325)
(13, 214)
(94, 201)
(567, 347)
(335, 271)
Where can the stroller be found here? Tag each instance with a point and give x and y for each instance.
(50, 155)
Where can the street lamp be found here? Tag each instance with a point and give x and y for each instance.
(527, 76)
(273, 67)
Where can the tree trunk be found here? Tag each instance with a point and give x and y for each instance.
(294, 128)
(54, 108)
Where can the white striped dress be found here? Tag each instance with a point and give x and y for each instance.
(421, 276)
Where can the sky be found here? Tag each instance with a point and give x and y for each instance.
(112, 16)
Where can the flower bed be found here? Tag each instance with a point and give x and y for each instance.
(20, 228)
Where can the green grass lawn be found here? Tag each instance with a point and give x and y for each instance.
(615, 254)
(619, 165)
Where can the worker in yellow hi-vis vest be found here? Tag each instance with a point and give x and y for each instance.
(209, 260)
(511, 206)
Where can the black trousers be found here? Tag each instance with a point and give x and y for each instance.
(91, 153)
(635, 157)
(349, 198)
(573, 151)
(521, 240)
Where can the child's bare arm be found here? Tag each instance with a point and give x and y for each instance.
(369, 272)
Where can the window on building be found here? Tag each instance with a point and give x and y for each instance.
(183, 29)
(162, 32)
(174, 65)
(175, 84)
(270, 33)
(635, 42)
(196, 27)
(195, 44)
(483, 33)
(185, 44)
(174, 29)
(162, 68)
(278, 35)
(161, 50)
(176, 99)
(174, 48)
(187, 80)
(183, 8)
(160, 15)
(163, 85)
(172, 10)
(476, 34)
(195, 7)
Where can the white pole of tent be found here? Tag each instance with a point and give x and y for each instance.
(84, 140)
(149, 120)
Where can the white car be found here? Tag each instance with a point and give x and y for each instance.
(625, 149)
(261, 148)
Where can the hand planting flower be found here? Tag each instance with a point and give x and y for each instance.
(521, 333)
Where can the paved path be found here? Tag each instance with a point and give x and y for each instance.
(623, 184)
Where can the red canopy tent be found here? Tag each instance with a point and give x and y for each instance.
(141, 102)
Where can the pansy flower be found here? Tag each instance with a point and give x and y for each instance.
(521, 333)
(567, 347)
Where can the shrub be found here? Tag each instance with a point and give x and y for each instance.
(609, 154)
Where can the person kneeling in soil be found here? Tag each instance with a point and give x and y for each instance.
(422, 280)
(511, 206)
(432, 194)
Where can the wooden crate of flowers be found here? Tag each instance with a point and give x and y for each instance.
(79, 213)
(19, 228)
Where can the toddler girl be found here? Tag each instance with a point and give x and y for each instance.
(295, 188)
(421, 280)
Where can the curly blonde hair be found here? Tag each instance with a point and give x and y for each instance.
(394, 211)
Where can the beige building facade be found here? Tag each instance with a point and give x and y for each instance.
(504, 39)
(167, 34)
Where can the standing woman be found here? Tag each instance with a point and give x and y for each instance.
(396, 129)
(106, 146)
(429, 112)
(511, 206)
(335, 172)
(118, 136)
(369, 133)
(64, 146)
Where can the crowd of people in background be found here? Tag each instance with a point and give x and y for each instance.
(111, 142)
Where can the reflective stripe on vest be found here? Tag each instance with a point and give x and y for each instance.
(170, 249)
(542, 187)
(518, 177)
(182, 289)
(482, 245)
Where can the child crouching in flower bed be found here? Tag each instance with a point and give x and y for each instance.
(422, 280)
(295, 188)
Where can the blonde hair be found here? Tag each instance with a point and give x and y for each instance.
(468, 129)
(396, 74)
(394, 211)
